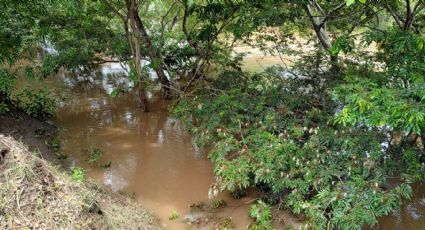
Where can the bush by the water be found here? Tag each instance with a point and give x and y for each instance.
(281, 136)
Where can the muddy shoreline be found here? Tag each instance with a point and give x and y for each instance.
(36, 134)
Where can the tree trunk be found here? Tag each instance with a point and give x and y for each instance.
(334, 63)
(152, 52)
(323, 37)
(143, 97)
(137, 64)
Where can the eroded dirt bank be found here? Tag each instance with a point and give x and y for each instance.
(36, 134)
(38, 194)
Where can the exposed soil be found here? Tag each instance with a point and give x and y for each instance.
(34, 133)
(209, 215)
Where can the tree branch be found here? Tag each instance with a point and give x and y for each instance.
(319, 8)
(396, 17)
(408, 16)
(330, 14)
(163, 23)
(418, 7)
(186, 33)
(116, 11)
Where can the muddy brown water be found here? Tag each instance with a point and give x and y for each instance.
(153, 158)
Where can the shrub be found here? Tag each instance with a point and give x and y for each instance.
(278, 134)
(174, 215)
(7, 84)
(60, 155)
(94, 154)
(51, 142)
(106, 165)
(4, 108)
(261, 213)
(38, 104)
(77, 174)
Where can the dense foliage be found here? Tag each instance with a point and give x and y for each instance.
(395, 96)
(278, 135)
(18, 39)
(341, 152)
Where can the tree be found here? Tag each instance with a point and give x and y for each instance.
(17, 36)
(152, 51)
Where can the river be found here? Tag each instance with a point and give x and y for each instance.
(153, 159)
(152, 156)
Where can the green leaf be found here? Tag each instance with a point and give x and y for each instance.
(349, 2)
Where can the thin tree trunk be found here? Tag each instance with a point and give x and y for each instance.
(323, 36)
(137, 58)
(334, 63)
(152, 52)
(143, 97)
(135, 50)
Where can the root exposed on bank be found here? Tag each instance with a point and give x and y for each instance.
(35, 194)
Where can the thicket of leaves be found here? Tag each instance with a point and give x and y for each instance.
(81, 32)
(339, 147)
(394, 97)
(18, 39)
(324, 152)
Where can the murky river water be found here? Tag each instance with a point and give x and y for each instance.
(152, 156)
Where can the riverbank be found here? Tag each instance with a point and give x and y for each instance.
(36, 134)
(37, 194)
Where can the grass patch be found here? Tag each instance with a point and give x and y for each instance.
(93, 154)
(36, 195)
(218, 204)
(77, 174)
(174, 215)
